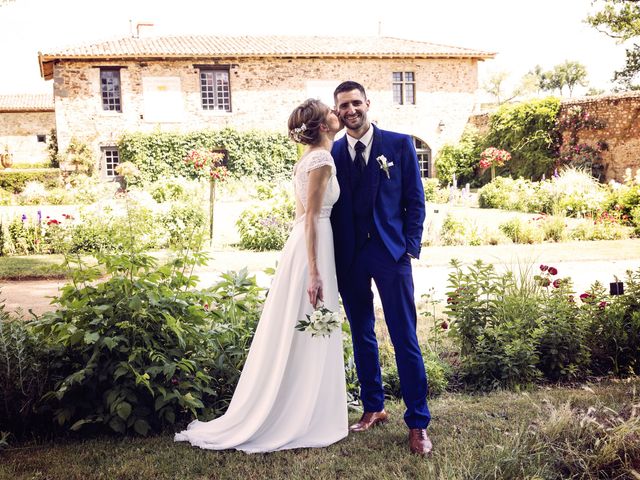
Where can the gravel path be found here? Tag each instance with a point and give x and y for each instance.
(584, 262)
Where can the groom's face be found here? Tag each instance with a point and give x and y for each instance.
(352, 108)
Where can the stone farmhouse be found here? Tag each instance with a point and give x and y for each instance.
(190, 83)
(26, 122)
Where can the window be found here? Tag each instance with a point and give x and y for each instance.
(110, 88)
(404, 88)
(41, 138)
(214, 89)
(111, 159)
(424, 157)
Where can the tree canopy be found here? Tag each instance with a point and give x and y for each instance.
(620, 19)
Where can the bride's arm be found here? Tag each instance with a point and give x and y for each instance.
(318, 180)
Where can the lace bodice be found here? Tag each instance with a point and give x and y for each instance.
(311, 161)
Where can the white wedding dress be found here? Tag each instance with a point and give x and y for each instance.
(291, 393)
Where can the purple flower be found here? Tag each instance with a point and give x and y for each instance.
(24, 217)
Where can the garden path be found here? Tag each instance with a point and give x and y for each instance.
(584, 262)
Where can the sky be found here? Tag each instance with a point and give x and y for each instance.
(523, 34)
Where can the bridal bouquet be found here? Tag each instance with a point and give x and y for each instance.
(321, 322)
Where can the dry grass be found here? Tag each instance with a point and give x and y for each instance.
(589, 431)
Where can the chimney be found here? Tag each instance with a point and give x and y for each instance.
(140, 25)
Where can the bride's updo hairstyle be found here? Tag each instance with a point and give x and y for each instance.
(305, 120)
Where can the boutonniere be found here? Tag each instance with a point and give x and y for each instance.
(385, 165)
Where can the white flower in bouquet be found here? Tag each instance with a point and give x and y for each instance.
(321, 322)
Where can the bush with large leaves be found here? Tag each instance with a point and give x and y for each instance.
(145, 349)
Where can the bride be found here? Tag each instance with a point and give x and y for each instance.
(291, 393)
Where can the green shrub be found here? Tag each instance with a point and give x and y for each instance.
(603, 227)
(528, 131)
(560, 334)
(460, 160)
(508, 194)
(143, 349)
(554, 228)
(181, 220)
(161, 154)
(520, 231)
(432, 191)
(25, 375)
(79, 155)
(15, 180)
(453, 231)
(267, 227)
(491, 321)
(613, 327)
(167, 189)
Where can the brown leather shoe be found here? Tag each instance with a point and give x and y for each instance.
(419, 442)
(369, 420)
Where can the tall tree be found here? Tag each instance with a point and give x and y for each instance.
(556, 79)
(574, 73)
(620, 19)
(495, 86)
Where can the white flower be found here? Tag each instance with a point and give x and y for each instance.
(321, 321)
(384, 165)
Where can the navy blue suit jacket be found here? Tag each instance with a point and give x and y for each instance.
(398, 201)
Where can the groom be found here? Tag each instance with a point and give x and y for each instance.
(377, 226)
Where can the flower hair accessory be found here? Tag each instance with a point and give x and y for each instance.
(384, 165)
(295, 133)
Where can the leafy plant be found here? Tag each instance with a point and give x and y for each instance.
(254, 154)
(459, 160)
(267, 227)
(25, 375)
(528, 131)
(145, 349)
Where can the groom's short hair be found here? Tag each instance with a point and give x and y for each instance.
(347, 87)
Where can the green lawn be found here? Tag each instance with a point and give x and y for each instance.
(586, 431)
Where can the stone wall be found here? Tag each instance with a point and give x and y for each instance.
(19, 135)
(620, 116)
(263, 94)
(620, 133)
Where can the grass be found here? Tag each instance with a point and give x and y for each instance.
(32, 267)
(585, 431)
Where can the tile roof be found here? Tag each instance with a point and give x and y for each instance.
(27, 102)
(257, 46)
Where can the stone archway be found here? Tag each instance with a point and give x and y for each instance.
(424, 157)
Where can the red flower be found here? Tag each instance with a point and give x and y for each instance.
(53, 221)
(553, 271)
(206, 306)
(557, 283)
(444, 325)
(544, 268)
(602, 305)
(585, 297)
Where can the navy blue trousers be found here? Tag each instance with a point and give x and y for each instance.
(394, 281)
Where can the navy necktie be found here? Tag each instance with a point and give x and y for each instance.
(359, 158)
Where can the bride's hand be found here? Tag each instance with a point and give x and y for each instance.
(315, 290)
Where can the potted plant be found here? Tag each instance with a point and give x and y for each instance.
(7, 158)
